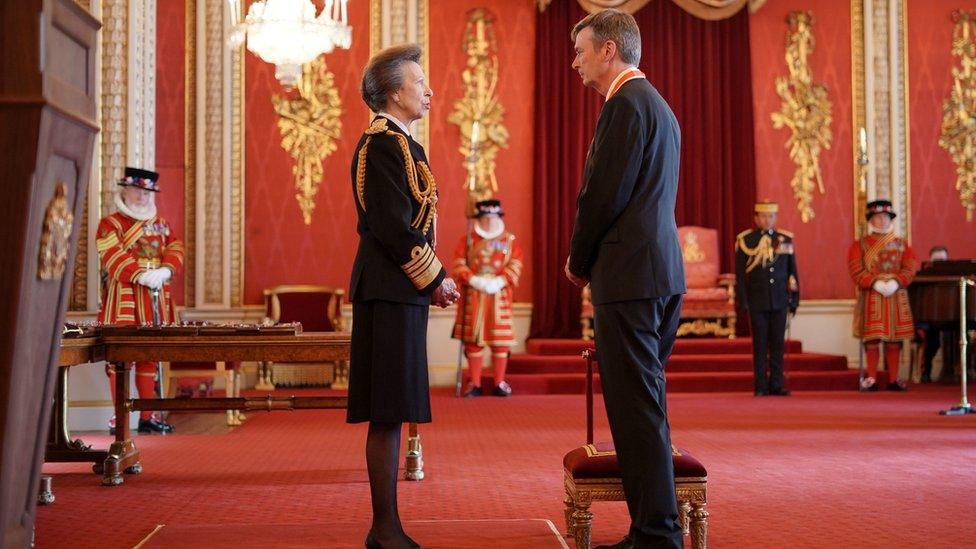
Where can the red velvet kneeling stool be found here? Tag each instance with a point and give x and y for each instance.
(592, 474)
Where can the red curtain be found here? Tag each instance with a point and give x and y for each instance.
(702, 69)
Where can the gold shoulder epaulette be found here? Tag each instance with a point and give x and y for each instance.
(785, 232)
(378, 126)
(743, 234)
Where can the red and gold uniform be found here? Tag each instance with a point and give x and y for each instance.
(882, 265)
(487, 321)
(128, 249)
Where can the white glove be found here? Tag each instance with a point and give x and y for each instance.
(885, 287)
(892, 287)
(479, 283)
(145, 279)
(490, 283)
(497, 283)
(157, 277)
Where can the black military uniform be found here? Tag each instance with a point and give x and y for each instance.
(393, 277)
(767, 285)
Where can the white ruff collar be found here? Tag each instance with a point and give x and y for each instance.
(873, 230)
(148, 213)
(490, 235)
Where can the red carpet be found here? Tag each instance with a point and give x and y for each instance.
(554, 366)
(818, 469)
(453, 534)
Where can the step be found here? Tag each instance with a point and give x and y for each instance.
(701, 363)
(739, 345)
(686, 382)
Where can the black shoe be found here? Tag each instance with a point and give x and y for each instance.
(371, 542)
(152, 425)
(111, 431)
(780, 393)
(869, 385)
(898, 386)
(503, 389)
(926, 378)
(625, 543)
(759, 393)
(473, 391)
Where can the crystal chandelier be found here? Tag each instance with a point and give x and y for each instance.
(288, 33)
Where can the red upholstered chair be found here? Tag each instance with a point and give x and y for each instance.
(592, 474)
(708, 307)
(318, 309)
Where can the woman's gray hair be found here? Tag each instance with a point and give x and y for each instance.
(384, 74)
(614, 25)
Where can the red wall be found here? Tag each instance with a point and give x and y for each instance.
(937, 215)
(281, 249)
(514, 30)
(170, 105)
(821, 243)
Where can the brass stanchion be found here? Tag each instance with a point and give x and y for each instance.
(964, 407)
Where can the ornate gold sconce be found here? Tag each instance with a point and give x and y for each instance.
(806, 111)
(310, 128)
(479, 114)
(959, 110)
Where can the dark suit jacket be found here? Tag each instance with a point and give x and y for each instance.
(395, 260)
(625, 239)
(766, 288)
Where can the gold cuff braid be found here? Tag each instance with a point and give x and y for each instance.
(423, 266)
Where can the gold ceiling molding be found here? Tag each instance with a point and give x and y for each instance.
(310, 128)
(959, 110)
(806, 111)
(478, 114)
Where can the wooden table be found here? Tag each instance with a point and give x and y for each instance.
(122, 350)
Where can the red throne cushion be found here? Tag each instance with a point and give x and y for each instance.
(597, 461)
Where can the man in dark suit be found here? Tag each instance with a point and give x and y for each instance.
(768, 287)
(625, 245)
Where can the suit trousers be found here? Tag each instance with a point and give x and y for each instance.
(633, 341)
(768, 342)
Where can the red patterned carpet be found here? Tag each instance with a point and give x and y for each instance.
(819, 469)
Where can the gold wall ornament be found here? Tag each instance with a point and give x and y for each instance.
(959, 110)
(478, 114)
(56, 236)
(310, 128)
(806, 110)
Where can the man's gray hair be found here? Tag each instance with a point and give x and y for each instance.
(617, 26)
(383, 74)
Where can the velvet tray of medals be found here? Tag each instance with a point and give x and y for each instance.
(203, 329)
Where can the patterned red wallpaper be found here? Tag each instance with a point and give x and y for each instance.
(514, 34)
(937, 215)
(822, 243)
(281, 249)
(170, 105)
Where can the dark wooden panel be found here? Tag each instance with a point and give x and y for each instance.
(46, 143)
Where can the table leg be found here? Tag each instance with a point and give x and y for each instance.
(60, 447)
(123, 456)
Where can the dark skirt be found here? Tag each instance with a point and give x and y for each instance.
(388, 363)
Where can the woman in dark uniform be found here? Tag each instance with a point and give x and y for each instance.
(395, 278)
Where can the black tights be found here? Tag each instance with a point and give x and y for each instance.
(382, 458)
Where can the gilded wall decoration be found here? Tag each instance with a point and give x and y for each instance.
(56, 236)
(310, 128)
(959, 110)
(478, 114)
(806, 111)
